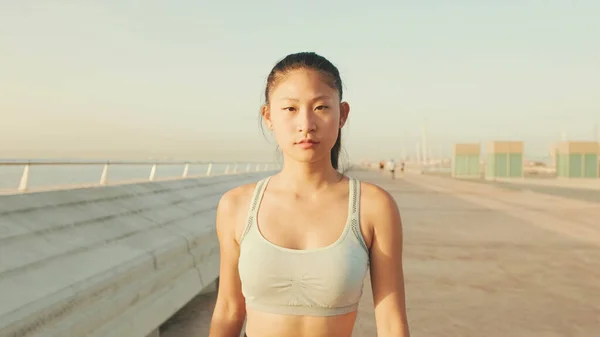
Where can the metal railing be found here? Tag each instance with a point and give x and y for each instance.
(208, 169)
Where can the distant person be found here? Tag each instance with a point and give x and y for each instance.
(296, 246)
(391, 165)
(402, 168)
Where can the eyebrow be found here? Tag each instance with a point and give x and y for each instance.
(314, 99)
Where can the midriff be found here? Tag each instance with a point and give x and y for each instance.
(262, 324)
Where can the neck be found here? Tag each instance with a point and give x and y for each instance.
(308, 177)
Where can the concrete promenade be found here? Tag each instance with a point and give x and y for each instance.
(480, 260)
(575, 190)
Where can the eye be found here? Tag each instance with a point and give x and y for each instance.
(322, 107)
(289, 108)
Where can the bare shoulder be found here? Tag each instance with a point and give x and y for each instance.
(376, 202)
(379, 212)
(233, 208)
(237, 197)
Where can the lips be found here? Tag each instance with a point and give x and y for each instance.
(307, 141)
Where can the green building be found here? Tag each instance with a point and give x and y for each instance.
(504, 159)
(466, 161)
(577, 159)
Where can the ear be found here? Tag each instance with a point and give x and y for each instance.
(344, 112)
(266, 114)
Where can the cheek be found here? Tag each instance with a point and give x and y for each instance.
(331, 125)
(283, 128)
(281, 120)
(329, 131)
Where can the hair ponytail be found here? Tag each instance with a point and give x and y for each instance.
(335, 150)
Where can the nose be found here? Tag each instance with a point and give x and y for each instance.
(306, 121)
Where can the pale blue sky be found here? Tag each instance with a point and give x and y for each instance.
(111, 78)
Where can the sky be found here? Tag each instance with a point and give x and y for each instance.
(185, 79)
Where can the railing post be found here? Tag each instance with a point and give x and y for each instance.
(209, 169)
(152, 173)
(104, 175)
(186, 169)
(266, 166)
(24, 179)
(227, 169)
(248, 167)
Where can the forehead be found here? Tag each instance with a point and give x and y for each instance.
(303, 83)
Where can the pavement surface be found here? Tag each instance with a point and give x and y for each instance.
(578, 193)
(579, 189)
(479, 260)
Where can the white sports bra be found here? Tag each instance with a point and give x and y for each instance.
(323, 281)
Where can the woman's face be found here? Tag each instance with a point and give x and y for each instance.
(305, 115)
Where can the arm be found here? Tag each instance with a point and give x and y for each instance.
(230, 310)
(387, 276)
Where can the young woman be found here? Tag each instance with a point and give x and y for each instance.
(296, 247)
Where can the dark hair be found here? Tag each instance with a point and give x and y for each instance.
(309, 60)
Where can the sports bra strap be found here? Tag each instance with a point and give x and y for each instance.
(355, 212)
(259, 190)
(354, 198)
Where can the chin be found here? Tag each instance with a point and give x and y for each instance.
(307, 156)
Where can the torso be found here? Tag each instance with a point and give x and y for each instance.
(311, 254)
